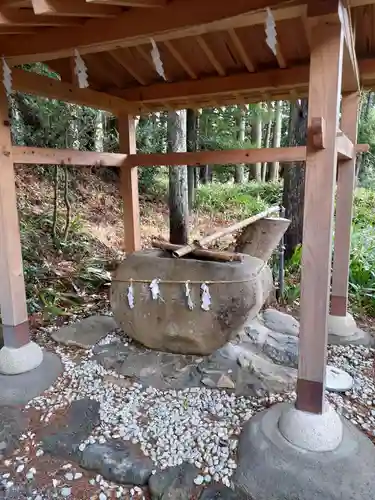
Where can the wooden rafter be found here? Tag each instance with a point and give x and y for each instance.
(31, 83)
(241, 51)
(210, 55)
(175, 53)
(178, 19)
(73, 8)
(280, 57)
(121, 60)
(192, 89)
(132, 3)
(12, 17)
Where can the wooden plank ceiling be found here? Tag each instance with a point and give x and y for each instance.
(213, 53)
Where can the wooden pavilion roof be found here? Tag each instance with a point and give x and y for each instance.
(214, 52)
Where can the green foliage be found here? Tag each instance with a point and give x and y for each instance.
(362, 258)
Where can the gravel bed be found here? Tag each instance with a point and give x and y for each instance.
(196, 425)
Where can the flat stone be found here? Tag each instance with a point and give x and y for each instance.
(168, 324)
(338, 380)
(275, 378)
(63, 441)
(360, 337)
(282, 349)
(221, 492)
(12, 424)
(281, 322)
(175, 483)
(152, 368)
(20, 389)
(85, 333)
(256, 332)
(270, 468)
(118, 461)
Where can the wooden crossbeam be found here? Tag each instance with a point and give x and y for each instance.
(50, 156)
(73, 8)
(132, 3)
(263, 81)
(178, 19)
(32, 83)
(12, 17)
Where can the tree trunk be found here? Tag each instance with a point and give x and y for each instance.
(178, 183)
(239, 171)
(364, 112)
(294, 179)
(255, 171)
(266, 145)
(276, 141)
(99, 132)
(191, 146)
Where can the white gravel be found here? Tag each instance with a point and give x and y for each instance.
(197, 425)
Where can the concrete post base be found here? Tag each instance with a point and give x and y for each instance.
(309, 431)
(20, 360)
(344, 330)
(271, 468)
(344, 326)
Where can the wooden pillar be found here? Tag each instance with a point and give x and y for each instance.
(344, 210)
(324, 99)
(12, 285)
(129, 185)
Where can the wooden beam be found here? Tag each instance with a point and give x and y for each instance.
(132, 3)
(210, 55)
(18, 30)
(73, 8)
(345, 147)
(281, 61)
(175, 53)
(32, 83)
(241, 51)
(121, 60)
(50, 156)
(129, 185)
(292, 154)
(10, 17)
(178, 19)
(344, 210)
(12, 291)
(191, 89)
(324, 97)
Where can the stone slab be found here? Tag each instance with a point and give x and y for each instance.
(85, 333)
(19, 389)
(174, 483)
(281, 322)
(63, 441)
(270, 468)
(118, 461)
(220, 492)
(12, 424)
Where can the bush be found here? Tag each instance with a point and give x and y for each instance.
(237, 199)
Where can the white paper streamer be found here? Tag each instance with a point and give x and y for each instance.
(131, 296)
(155, 290)
(7, 77)
(190, 302)
(80, 70)
(206, 297)
(271, 31)
(155, 54)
